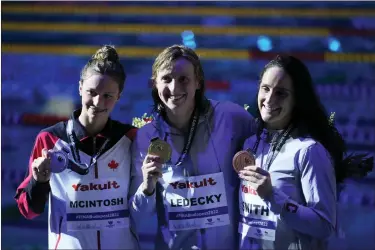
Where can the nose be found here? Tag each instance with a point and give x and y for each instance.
(173, 86)
(97, 100)
(269, 98)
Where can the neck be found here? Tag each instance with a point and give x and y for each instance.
(93, 127)
(276, 127)
(180, 121)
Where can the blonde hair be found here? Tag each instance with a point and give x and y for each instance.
(165, 59)
(105, 61)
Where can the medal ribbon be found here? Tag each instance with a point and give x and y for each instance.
(77, 166)
(276, 145)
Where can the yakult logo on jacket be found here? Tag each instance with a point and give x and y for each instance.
(248, 190)
(94, 186)
(195, 184)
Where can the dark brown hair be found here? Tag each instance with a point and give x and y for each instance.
(311, 119)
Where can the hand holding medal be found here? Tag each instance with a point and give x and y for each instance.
(258, 178)
(242, 159)
(159, 152)
(41, 167)
(161, 149)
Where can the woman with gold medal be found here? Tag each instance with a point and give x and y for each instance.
(184, 186)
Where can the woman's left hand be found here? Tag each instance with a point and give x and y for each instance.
(258, 178)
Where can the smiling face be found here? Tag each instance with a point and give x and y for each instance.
(275, 98)
(99, 95)
(176, 86)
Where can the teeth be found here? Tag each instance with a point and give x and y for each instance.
(176, 97)
(270, 109)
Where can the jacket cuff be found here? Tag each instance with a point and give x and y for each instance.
(277, 201)
(143, 202)
(37, 195)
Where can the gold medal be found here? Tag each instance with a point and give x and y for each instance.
(160, 148)
(242, 159)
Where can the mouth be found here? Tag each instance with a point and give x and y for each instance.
(98, 111)
(271, 109)
(177, 97)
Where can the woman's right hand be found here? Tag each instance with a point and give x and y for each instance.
(41, 167)
(152, 171)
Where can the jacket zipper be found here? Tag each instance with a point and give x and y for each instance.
(59, 237)
(96, 177)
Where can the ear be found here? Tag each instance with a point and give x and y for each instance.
(80, 87)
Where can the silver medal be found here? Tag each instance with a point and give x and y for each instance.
(59, 161)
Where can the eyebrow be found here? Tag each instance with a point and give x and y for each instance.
(108, 92)
(168, 73)
(280, 88)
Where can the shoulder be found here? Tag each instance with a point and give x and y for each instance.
(57, 131)
(120, 129)
(312, 151)
(145, 134)
(147, 131)
(230, 110)
(142, 140)
(48, 137)
(249, 142)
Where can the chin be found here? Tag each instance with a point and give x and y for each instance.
(267, 118)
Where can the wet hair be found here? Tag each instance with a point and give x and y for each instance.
(105, 61)
(165, 60)
(309, 115)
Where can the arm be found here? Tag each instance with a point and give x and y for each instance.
(139, 202)
(318, 216)
(244, 124)
(31, 196)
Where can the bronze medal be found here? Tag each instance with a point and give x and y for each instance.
(242, 159)
(160, 148)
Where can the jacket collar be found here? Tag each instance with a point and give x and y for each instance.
(163, 127)
(80, 130)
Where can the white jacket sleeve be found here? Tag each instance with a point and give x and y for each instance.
(317, 217)
(138, 201)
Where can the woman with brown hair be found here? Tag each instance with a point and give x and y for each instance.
(82, 166)
(288, 194)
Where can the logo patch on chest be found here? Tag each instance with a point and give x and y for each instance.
(113, 165)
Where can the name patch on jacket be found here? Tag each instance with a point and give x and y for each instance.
(257, 220)
(96, 204)
(195, 202)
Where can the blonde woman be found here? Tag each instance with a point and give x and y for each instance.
(190, 201)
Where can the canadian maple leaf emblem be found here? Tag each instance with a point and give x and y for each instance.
(113, 165)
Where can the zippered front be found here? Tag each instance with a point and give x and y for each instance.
(59, 237)
(96, 170)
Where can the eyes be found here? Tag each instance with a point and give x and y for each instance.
(278, 92)
(93, 93)
(180, 79)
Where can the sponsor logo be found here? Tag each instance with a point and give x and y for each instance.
(94, 186)
(194, 184)
(248, 190)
